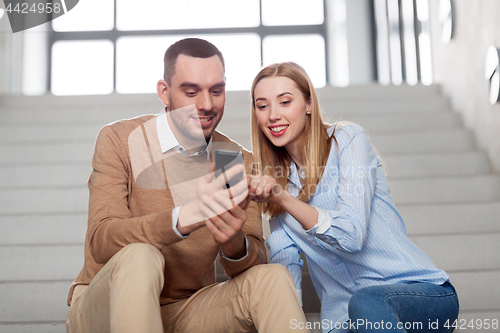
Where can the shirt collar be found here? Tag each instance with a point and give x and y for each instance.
(293, 176)
(168, 140)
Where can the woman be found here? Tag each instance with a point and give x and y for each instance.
(337, 209)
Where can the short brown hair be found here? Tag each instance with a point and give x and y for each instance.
(192, 47)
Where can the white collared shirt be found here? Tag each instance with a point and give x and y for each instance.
(168, 140)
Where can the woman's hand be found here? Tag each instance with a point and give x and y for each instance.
(266, 189)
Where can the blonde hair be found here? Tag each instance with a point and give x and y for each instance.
(275, 161)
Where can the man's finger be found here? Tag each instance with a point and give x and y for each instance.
(222, 179)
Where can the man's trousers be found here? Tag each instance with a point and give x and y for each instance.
(124, 297)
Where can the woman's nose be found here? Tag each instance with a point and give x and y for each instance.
(275, 114)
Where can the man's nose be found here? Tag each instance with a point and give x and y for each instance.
(204, 101)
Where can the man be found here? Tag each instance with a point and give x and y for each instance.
(152, 240)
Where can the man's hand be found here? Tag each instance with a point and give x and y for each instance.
(225, 210)
(222, 210)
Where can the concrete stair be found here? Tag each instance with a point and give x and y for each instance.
(441, 182)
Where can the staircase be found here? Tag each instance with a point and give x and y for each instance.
(441, 182)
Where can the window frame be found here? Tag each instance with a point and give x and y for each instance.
(113, 35)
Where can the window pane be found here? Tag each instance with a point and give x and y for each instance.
(242, 57)
(88, 15)
(82, 68)
(306, 50)
(139, 61)
(292, 12)
(186, 14)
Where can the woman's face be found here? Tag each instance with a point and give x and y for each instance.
(281, 111)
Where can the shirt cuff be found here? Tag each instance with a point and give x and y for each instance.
(246, 252)
(323, 222)
(175, 217)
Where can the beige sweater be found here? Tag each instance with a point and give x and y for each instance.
(122, 212)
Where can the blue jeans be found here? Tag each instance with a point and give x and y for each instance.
(398, 308)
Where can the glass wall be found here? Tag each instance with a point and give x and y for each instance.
(120, 48)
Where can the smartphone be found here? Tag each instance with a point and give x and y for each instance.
(224, 160)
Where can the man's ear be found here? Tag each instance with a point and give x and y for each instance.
(162, 91)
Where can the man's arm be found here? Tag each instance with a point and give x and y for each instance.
(250, 241)
(111, 225)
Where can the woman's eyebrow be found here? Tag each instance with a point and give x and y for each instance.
(285, 93)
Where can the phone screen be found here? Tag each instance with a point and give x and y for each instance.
(224, 160)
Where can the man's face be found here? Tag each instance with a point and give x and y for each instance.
(199, 82)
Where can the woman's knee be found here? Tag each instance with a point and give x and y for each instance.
(365, 299)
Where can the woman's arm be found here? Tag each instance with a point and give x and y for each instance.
(344, 227)
(284, 251)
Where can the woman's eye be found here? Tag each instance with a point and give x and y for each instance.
(261, 107)
(285, 102)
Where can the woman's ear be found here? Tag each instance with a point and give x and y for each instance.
(308, 107)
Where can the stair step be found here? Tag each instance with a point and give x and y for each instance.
(397, 166)
(103, 114)
(436, 141)
(458, 218)
(475, 290)
(38, 263)
(107, 108)
(33, 328)
(51, 262)
(40, 302)
(232, 125)
(408, 143)
(377, 91)
(386, 144)
(432, 165)
(479, 319)
(446, 190)
(46, 133)
(465, 250)
(382, 123)
(43, 229)
(35, 154)
(425, 191)
(44, 301)
(51, 175)
(44, 201)
(397, 122)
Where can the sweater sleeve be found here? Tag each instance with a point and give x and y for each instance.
(110, 224)
(256, 252)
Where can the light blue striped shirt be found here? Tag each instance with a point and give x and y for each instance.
(360, 239)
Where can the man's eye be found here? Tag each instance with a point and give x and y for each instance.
(190, 93)
(217, 92)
